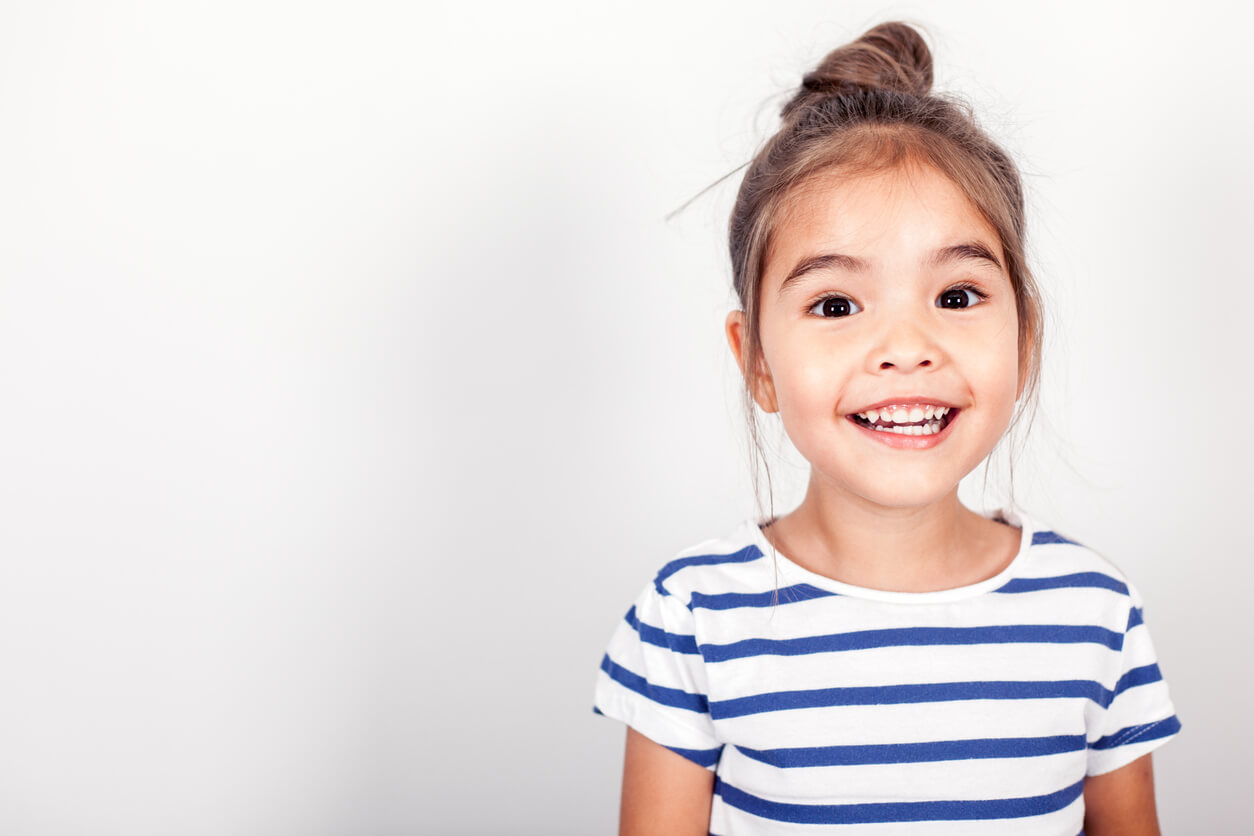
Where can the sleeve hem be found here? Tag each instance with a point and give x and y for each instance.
(1148, 738)
(664, 730)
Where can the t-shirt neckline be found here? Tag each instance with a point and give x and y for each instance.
(796, 573)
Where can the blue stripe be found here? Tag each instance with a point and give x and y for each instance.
(940, 750)
(1045, 538)
(649, 634)
(1095, 580)
(1139, 734)
(701, 757)
(673, 697)
(1143, 675)
(901, 694)
(915, 637)
(770, 598)
(898, 811)
(1135, 618)
(746, 555)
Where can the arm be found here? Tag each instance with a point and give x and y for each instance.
(1121, 802)
(663, 792)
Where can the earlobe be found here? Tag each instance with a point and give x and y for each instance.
(764, 392)
(1025, 372)
(734, 326)
(761, 387)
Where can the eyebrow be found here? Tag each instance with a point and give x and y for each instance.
(969, 251)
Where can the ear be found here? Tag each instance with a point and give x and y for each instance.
(1025, 366)
(757, 378)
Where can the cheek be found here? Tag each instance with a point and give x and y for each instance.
(998, 367)
(809, 377)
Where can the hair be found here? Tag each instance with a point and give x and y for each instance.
(868, 107)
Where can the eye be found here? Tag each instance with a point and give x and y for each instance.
(834, 306)
(962, 296)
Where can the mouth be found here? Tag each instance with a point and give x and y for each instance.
(907, 419)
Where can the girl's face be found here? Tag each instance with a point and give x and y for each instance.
(886, 299)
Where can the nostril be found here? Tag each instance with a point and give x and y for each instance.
(926, 363)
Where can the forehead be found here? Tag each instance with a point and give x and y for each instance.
(901, 213)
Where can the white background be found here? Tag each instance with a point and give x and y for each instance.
(352, 382)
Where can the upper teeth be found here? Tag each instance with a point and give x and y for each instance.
(904, 414)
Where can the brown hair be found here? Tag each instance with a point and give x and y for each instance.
(868, 107)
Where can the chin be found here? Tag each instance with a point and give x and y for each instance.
(903, 501)
(917, 494)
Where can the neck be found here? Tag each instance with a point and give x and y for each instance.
(905, 549)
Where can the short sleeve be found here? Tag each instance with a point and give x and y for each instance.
(1140, 716)
(653, 679)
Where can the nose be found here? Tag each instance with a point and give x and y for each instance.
(906, 346)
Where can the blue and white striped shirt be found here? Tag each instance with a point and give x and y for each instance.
(825, 707)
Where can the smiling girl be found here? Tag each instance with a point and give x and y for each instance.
(883, 660)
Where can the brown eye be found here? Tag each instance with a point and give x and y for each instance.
(959, 297)
(834, 306)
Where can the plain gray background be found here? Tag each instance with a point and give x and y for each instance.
(353, 383)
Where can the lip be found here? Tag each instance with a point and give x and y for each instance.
(905, 400)
(908, 442)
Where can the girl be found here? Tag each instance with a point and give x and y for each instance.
(883, 660)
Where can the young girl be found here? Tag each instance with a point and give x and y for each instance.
(882, 660)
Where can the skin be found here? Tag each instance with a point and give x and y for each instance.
(1121, 802)
(663, 793)
(903, 240)
(901, 526)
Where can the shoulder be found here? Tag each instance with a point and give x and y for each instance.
(1059, 563)
(730, 564)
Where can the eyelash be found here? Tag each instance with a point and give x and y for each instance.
(959, 286)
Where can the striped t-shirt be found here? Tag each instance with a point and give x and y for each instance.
(830, 708)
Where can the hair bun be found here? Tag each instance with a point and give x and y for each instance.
(892, 56)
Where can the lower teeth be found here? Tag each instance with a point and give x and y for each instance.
(914, 429)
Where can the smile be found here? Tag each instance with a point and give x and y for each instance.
(906, 420)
